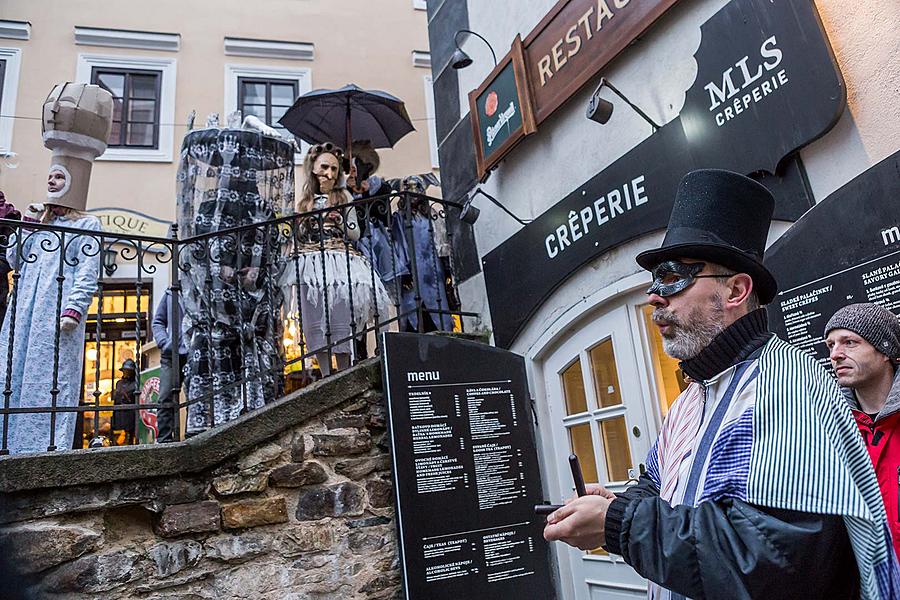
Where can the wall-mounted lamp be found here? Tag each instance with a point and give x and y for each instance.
(470, 213)
(600, 110)
(461, 60)
(109, 261)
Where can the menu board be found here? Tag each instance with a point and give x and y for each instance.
(845, 250)
(465, 470)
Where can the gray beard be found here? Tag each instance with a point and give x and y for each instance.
(688, 337)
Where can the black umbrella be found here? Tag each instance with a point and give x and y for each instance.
(346, 114)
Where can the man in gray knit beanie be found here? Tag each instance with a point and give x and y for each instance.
(864, 347)
(864, 344)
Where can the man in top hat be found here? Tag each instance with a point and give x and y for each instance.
(757, 486)
(864, 347)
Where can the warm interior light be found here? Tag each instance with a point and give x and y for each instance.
(120, 320)
(92, 354)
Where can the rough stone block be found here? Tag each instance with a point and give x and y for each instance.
(298, 448)
(95, 573)
(330, 501)
(362, 543)
(296, 541)
(38, 546)
(368, 522)
(377, 417)
(195, 517)
(235, 549)
(252, 513)
(328, 444)
(357, 468)
(343, 420)
(298, 475)
(380, 582)
(170, 558)
(228, 485)
(152, 493)
(257, 460)
(381, 493)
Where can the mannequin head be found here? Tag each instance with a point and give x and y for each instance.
(322, 175)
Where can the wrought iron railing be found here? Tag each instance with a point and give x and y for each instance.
(237, 298)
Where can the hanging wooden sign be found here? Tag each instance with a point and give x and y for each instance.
(501, 110)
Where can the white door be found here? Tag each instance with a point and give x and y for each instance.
(598, 413)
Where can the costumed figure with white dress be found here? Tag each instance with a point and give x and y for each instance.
(40, 367)
(232, 178)
(337, 288)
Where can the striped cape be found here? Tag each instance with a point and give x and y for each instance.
(777, 434)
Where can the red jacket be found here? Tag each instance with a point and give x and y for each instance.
(882, 438)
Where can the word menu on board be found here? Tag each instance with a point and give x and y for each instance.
(465, 470)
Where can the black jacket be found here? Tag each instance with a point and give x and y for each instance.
(730, 549)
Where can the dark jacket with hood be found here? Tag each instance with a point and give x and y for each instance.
(882, 438)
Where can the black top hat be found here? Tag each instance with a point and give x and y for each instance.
(722, 217)
(128, 365)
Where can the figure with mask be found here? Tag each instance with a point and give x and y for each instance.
(335, 285)
(414, 233)
(41, 366)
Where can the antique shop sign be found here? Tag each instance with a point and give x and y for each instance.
(501, 110)
(767, 84)
(576, 39)
(465, 470)
(814, 284)
(130, 222)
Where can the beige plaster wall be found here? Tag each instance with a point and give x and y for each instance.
(369, 43)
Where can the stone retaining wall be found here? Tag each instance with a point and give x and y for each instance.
(301, 508)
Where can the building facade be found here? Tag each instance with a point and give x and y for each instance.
(162, 63)
(702, 71)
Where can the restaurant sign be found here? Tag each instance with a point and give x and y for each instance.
(570, 45)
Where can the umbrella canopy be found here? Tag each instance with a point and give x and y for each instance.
(347, 114)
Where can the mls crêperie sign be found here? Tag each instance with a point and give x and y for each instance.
(568, 47)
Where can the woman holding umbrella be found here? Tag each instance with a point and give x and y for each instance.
(336, 292)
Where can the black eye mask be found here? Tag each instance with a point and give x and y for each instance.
(673, 277)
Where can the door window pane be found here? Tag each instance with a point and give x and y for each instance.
(616, 448)
(582, 443)
(667, 374)
(573, 389)
(606, 377)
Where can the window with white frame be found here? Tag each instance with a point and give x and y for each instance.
(143, 90)
(432, 127)
(10, 58)
(266, 92)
